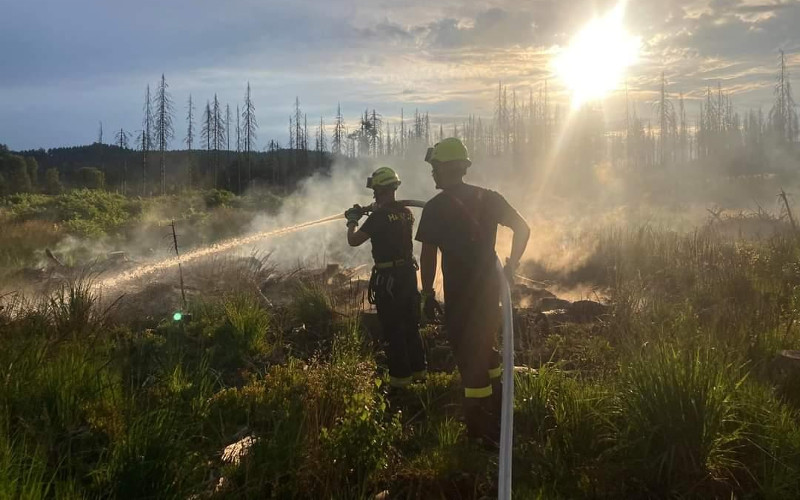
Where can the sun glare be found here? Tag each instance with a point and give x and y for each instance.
(596, 59)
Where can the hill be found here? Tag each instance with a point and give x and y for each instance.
(131, 172)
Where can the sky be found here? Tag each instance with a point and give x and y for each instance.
(67, 66)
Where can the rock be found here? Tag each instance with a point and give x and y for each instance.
(585, 311)
(527, 295)
(552, 303)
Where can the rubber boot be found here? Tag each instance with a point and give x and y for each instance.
(480, 422)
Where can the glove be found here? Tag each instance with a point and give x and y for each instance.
(430, 309)
(353, 215)
(510, 269)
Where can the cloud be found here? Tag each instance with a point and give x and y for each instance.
(492, 28)
(67, 65)
(756, 9)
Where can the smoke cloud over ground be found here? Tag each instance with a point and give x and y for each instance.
(568, 209)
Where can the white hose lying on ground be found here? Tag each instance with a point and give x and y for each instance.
(507, 414)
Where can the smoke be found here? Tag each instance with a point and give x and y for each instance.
(330, 193)
(566, 215)
(566, 210)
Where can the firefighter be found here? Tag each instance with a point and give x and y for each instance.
(393, 283)
(461, 222)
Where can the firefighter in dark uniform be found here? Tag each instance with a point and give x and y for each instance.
(461, 222)
(393, 284)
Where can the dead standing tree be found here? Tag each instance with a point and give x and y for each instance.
(206, 131)
(666, 123)
(228, 144)
(238, 151)
(189, 140)
(147, 136)
(122, 139)
(163, 127)
(783, 116)
(321, 142)
(217, 134)
(249, 127)
(339, 132)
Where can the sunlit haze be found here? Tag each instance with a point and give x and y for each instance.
(597, 57)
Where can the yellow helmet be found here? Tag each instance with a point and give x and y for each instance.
(450, 150)
(382, 178)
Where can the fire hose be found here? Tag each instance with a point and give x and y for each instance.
(406, 203)
(507, 405)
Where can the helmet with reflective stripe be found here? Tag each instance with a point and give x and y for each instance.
(384, 177)
(449, 151)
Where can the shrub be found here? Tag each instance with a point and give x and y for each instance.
(94, 213)
(219, 198)
(321, 429)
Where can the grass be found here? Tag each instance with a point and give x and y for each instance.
(681, 419)
(80, 226)
(674, 394)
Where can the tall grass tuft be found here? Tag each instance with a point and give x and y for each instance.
(680, 419)
(312, 306)
(73, 309)
(564, 430)
(249, 322)
(23, 469)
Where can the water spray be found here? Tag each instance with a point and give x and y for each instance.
(208, 251)
(227, 245)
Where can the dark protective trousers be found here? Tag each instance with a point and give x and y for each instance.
(395, 294)
(472, 320)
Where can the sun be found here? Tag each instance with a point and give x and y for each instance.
(597, 56)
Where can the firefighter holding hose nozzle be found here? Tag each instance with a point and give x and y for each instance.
(461, 222)
(393, 283)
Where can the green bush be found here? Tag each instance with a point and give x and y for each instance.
(84, 212)
(219, 198)
(93, 213)
(322, 430)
